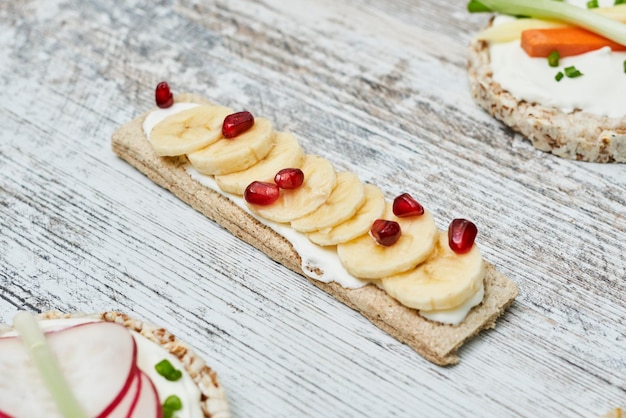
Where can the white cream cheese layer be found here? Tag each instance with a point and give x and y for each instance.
(318, 262)
(314, 257)
(599, 91)
(148, 355)
(458, 314)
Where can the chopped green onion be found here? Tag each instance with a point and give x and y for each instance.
(618, 2)
(553, 59)
(572, 72)
(475, 6)
(171, 405)
(34, 339)
(556, 10)
(559, 76)
(173, 402)
(592, 4)
(625, 66)
(165, 369)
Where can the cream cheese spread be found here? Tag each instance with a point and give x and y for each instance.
(458, 314)
(599, 91)
(318, 262)
(148, 355)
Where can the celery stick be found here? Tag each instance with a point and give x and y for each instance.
(511, 31)
(33, 337)
(550, 9)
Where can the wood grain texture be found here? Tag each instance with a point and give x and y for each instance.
(378, 88)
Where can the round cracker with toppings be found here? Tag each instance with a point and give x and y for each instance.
(213, 397)
(576, 135)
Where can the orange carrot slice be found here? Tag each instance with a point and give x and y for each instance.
(567, 41)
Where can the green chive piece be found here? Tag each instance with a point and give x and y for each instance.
(618, 2)
(592, 4)
(173, 402)
(624, 66)
(553, 59)
(559, 76)
(171, 405)
(474, 6)
(572, 72)
(165, 369)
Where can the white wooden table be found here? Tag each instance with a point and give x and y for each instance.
(379, 88)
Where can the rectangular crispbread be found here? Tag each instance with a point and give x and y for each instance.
(436, 342)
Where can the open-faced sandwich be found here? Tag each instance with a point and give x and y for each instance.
(105, 365)
(555, 71)
(388, 260)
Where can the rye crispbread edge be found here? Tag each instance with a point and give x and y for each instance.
(436, 342)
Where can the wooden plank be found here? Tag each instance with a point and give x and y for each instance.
(380, 89)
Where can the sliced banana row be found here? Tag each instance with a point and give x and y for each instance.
(360, 223)
(366, 259)
(344, 200)
(332, 209)
(189, 130)
(286, 152)
(226, 156)
(320, 180)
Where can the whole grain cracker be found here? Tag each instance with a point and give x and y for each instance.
(436, 342)
(575, 135)
(213, 399)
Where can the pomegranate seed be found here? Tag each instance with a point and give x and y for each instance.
(461, 235)
(261, 193)
(385, 232)
(289, 178)
(237, 123)
(163, 96)
(405, 205)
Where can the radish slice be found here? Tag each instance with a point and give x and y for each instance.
(126, 406)
(149, 404)
(98, 360)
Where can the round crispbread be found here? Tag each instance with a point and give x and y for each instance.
(576, 135)
(213, 397)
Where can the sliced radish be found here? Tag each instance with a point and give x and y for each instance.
(149, 404)
(126, 406)
(98, 360)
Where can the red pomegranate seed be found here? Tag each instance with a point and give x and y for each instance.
(461, 235)
(237, 123)
(261, 193)
(385, 232)
(405, 205)
(163, 96)
(289, 178)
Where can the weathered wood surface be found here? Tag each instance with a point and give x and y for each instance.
(379, 88)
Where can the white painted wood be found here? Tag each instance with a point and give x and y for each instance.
(379, 88)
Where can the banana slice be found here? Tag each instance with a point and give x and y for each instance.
(445, 281)
(346, 198)
(372, 209)
(365, 259)
(286, 153)
(236, 154)
(320, 179)
(189, 130)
